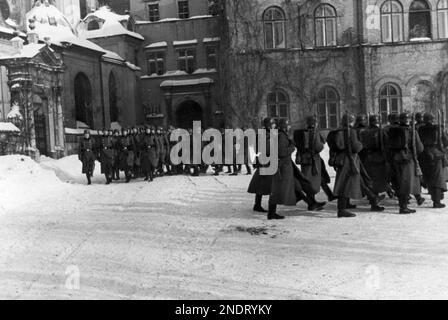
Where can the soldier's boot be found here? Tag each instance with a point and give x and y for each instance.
(330, 195)
(349, 205)
(89, 182)
(151, 177)
(195, 171)
(248, 169)
(436, 195)
(146, 176)
(342, 208)
(272, 214)
(374, 203)
(310, 200)
(257, 206)
(128, 176)
(235, 170)
(403, 203)
(107, 179)
(420, 199)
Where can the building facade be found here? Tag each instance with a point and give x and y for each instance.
(325, 57)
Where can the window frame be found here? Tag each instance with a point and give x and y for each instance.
(426, 12)
(278, 104)
(445, 11)
(155, 61)
(185, 58)
(327, 103)
(273, 23)
(324, 18)
(185, 14)
(388, 97)
(391, 30)
(151, 6)
(211, 56)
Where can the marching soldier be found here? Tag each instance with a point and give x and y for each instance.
(107, 156)
(260, 185)
(167, 145)
(148, 154)
(126, 155)
(87, 156)
(135, 137)
(160, 136)
(344, 148)
(405, 146)
(117, 147)
(374, 140)
(310, 143)
(434, 141)
(289, 186)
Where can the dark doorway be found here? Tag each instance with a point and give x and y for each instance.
(40, 128)
(187, 112)
(83, 99)
(113, 99)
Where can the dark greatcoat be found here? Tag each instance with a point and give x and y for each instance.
(431, 160)
(126, 155)
(375, 159)
(287, 181)
(404, 167)
(149, 158)
(313, 167)
(162, 148)
(136, 148)
(261, 184)
(107, 155)
(348, 182)
(86, 155)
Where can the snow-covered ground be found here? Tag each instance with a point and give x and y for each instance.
(197, 238)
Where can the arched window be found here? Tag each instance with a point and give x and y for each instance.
(278, 104)
(113, 99)
(93, 25)
(390, 100)
(442, 18)
(83, 99)
(328, 108)
(325, 25)
(274, 28)
(419, 20)
(392, 21)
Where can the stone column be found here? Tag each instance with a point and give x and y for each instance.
(59, 122)
(30, 132)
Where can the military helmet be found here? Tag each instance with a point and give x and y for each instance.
(374, 119)
(404, 117)
(311, 121)
(347, 119)
(267, 122)
(392, 118)
(418, 117)
(428, 117)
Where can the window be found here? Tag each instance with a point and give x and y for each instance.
(274, 28)
(390, 100)
(211, 58)
(391, 21)
(214, 7)
(325, 25)
(328, 108)
(186, 60)
(93, 25)
(153, 12)
(184, 10)
(442, 18)
(278, 104)
(156, 63)
(419, 20)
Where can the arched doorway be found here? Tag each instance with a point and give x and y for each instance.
(187, 112)
(83, 99)
(113, 99)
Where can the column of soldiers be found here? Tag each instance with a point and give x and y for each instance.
(142, 152)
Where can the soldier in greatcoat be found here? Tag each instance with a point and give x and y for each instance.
(289, 185)
(310, 143)
(432, 159)
(405, 146)
(116, 140)
(107, 156)
(148, 154)
(87, 156)
(126, 154)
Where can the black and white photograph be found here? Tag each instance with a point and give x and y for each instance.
(223, 150)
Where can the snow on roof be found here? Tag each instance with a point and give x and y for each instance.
(112, 25)
(51, 23)
(216, 39)
(9, 30)
(8, 127)
(204, 70)
(185, 42)
(189, 82)
(132, 66)
(112, 55)
(28, 51)
(157, 45)
(81, 125)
